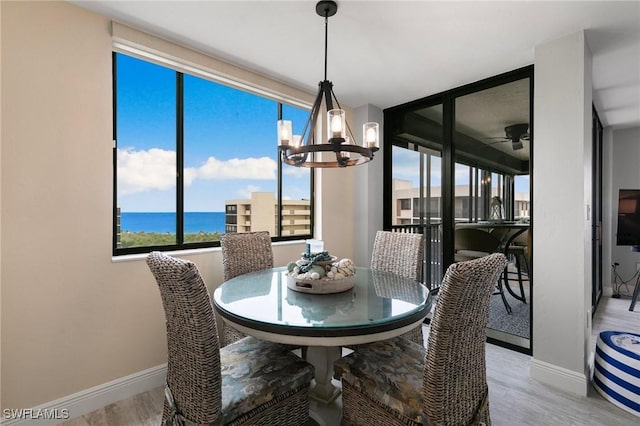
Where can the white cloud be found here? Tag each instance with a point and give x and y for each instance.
(406, 170)
(189, 175)
(144, 170)
(238, 168)
(295, 171)
(245, 193)
(462, 174)
(155, 169)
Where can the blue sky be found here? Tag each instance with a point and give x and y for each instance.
(229, 138)
(406, 165)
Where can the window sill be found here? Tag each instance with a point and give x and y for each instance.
(188, 252)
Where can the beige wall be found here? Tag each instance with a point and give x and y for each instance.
(71, 317)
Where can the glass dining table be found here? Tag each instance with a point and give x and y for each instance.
(381, 305)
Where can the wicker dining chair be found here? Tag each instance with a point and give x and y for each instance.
(397, 382)
(402, 254)
(243, 253)
(248, 382)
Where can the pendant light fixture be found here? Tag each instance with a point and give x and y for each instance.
(303, 150)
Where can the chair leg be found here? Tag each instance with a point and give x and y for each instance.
(521, 297)
(636, 293)
(519, 269)
(500, 291)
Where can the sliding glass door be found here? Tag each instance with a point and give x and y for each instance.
(462, 159)
(492, 152)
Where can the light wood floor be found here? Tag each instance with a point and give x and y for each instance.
(515, 398)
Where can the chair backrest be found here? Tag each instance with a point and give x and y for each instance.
(193, 367)
(454, 378)
(474, 239)
(398, 252)
(245, 252)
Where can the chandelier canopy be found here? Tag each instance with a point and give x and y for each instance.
(303, 150)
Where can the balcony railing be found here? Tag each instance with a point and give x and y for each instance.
(432, 262)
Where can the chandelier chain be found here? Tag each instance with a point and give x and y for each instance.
(326, 41)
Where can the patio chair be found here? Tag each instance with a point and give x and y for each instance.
(397, 382)
(402, 254)
(473, 243)
(520, 251)
(243, 253)
(248, 382)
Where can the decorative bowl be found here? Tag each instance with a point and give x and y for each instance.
(321, 286)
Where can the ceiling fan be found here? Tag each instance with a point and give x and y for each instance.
(516, 133)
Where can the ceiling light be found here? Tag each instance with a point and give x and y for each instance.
(302, 150)
(517, 133)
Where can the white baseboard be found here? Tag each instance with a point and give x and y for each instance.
(91, 399)
(559, 377)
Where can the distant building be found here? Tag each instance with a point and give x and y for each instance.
(407, 209)
(118, 228)
(296, 217)
(259, 213)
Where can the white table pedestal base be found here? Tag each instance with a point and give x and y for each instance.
(322, 359)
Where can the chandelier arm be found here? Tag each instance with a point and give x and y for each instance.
(333, 95)
(327, 164)
(366, 152)
(313, 116)
(327, 88)
(296, 156)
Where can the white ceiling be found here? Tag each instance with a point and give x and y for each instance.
(386, 53)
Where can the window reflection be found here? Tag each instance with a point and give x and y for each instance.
(492, 146)
(464, 160)
(416, 157)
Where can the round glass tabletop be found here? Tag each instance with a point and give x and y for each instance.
(379, 301)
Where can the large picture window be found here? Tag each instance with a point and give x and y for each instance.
(195, 159)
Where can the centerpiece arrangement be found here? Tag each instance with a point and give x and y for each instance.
(320, 273)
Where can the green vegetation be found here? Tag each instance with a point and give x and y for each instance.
(144, 239)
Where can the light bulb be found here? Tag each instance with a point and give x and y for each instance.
(336, 125)
(284, 132)
(371, 135)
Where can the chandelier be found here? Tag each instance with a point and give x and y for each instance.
(302, 150)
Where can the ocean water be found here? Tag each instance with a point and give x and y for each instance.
(162, 222)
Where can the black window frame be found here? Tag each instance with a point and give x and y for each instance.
(180, 244)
